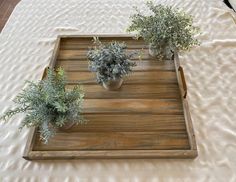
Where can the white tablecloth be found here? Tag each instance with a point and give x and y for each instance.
(26, 45)
(232, 3)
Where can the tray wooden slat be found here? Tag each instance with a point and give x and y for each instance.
(82, 65)
(146, 118)
(84, 43)
(130, 123)
(132, 91)
(114, 141)
(134, 78)
(133, 106)
(82, 55)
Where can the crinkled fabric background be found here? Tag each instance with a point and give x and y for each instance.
(232, 3)
(26, 45)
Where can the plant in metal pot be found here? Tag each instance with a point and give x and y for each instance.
(110, 62)
(48, 105)
(166, 29)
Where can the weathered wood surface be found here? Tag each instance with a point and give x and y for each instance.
(147, 118)
(144, 77)
(115, 141)
(82, 65)
(132, 91)
(128, 123)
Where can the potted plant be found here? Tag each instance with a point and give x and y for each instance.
(48, 105)
(111, 63)
(167, 30)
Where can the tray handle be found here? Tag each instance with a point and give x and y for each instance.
(45, 72)
(184, 85)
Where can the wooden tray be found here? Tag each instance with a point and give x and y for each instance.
(147, 118)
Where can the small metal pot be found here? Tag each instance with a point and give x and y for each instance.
(113, 84)
(152, 50)
(66, 126)
(168, 54)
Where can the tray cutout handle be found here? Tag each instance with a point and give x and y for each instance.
(184, 85)
(45, 72)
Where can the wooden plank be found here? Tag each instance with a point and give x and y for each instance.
(166, 77)
(188, 120)
(148, 91)
(76, 66)
(133, 106)
(103, 38)
(82, 54)
(86, 46)
(114, 141)
(30, 143)
(131, 123)
(78, 44)
(55, 53)
(112, 154)
(189, 126)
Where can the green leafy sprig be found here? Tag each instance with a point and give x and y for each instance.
(166, 29)
(110, 61)
(48, 105)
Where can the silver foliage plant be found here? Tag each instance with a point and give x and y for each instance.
(110, 61)
(48, 105)
(166, 29)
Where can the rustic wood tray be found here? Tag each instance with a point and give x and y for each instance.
(147, 118)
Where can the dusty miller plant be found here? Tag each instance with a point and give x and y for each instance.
(110, 61)
(48, 105)
(166, 29)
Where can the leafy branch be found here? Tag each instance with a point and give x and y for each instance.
(48, 105)
(166, 29)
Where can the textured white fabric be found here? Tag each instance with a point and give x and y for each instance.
(26, 45)
(233, 3)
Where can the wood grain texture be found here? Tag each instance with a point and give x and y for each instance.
(131, 123)
(188, 120)
(87, 42)
(146, 118)
(133, 106)
(132, 91)
(145, 77)
(82, 65)
(111, 154)
(85, 45)
(114, 141)
(82, 54)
